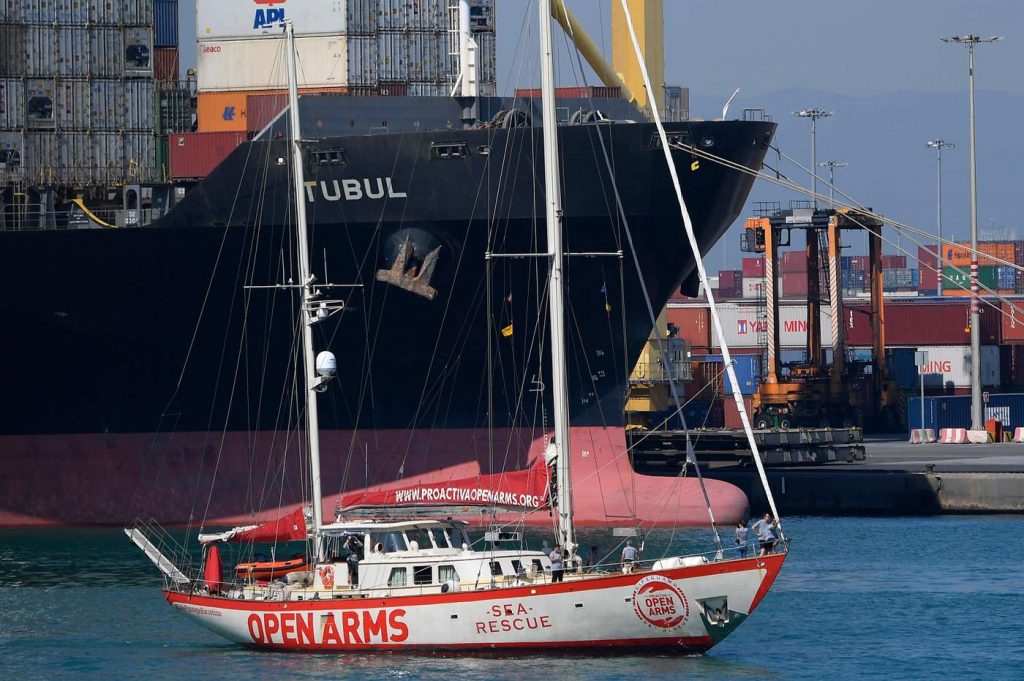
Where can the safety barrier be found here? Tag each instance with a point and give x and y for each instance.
(920, 436)
(1018, 434)
(979, 437)
(953, 436)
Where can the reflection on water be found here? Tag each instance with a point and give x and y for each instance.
(869, 597)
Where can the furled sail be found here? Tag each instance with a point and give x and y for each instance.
(524, 490)
(289, 527)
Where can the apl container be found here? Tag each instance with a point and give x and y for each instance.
(219, 20)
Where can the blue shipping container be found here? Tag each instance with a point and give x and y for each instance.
(165, 23)
(748, 372)
(1007, 277)
(955, 411)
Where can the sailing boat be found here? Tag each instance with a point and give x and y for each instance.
(395, 571)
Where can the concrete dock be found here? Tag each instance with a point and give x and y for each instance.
(895, 478)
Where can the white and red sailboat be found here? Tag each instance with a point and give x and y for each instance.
(397, 570)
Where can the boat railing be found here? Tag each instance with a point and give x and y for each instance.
(180, 566)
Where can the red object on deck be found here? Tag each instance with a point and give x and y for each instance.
(290, 527)
(212, 573)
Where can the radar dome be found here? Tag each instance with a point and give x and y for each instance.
(326, 364)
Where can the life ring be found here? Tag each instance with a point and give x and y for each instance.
(327, 576)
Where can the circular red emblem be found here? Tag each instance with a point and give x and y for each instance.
(660, 603)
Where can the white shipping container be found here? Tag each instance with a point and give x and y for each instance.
(392, 56)
(425, 56)
(106, 52)
(138, 51)
(261, 64)
(741, 323)
(106, 108)
(73, 104)
(393, 15)
(362, 60)
(753, 287)
(11, 147)
(12, 104)
(487, 59)
(361, 17)
(428, 90)
(950, 365)
(217, 19)
(40, 103)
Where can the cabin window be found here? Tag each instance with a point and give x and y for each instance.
(455, 537)
(496, 568)
(388, 541)
(397, 577)
(422, 574)
(517, 568)
(421, 537)
(447, 573)
(440, 540)
(538, 567)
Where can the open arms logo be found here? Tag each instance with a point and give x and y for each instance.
(660, 603)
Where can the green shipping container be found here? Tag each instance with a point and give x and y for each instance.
(954, 278)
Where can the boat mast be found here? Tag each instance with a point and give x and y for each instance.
(556, 304)
(306, 286)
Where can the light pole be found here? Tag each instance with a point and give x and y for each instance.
(814, 115)
(977, 420)
(832, 165)
(938, 145)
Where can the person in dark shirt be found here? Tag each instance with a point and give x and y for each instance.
(354, 546)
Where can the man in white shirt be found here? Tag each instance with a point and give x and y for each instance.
(629, 556)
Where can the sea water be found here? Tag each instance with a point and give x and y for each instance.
(887, 598)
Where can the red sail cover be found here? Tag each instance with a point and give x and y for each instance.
(525, 490)
(291, 527)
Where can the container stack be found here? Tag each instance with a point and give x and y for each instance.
(753, 277)
(927, 274)
(993, 272)
(794, 273)
(78, 92)
(353, 47)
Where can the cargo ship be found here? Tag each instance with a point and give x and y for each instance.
(138, 376)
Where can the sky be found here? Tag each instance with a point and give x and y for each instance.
(877, 64)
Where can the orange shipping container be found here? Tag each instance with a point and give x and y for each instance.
(960, 255)
(221, 111)
(228, 111)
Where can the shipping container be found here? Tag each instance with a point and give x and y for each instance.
(138, 52)
(176, 113)
(955, 411)
(166, 64)
(693, 324)
(1007, 277)
(1011, 316)
(219, 20)
(753, 267)
(730, 279)
(921, 323)
(40, 104)
(262, 109)
(12, 104)
(744, 326)
(956, 281)
(731, 417)
(960, 255)
(753, 287)
(487, 62)
(703, 414)
(585, 92)
(222, 111)
(194, 155)
(748, 372)
(794, 262)
(362, 60)
(894, 262)
(392, 56)
(90, 158)
(949, 366)
(165, 23)
(361, 17)
(794, 283)
(425, 57)
(226, 65)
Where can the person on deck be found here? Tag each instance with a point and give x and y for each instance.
(355, 554)
(629, 556)
(556, 564)
(742, 535)
(765, 530)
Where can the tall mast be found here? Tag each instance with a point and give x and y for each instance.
(556, 305)
(306, 286)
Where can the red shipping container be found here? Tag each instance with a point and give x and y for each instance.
(753, 267)
(588, 92)
(1012, 322)
(262, 109)
(730, 280)
(860, 262)
(894, 262)
(914, 324)
(794, 261)
(194, 155)
(165, 63)
(794, 284)
(732, 414)
(694, 324)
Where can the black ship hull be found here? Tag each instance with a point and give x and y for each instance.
(99, 420)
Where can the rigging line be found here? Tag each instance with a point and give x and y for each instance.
(695, 248)
(856, 209)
